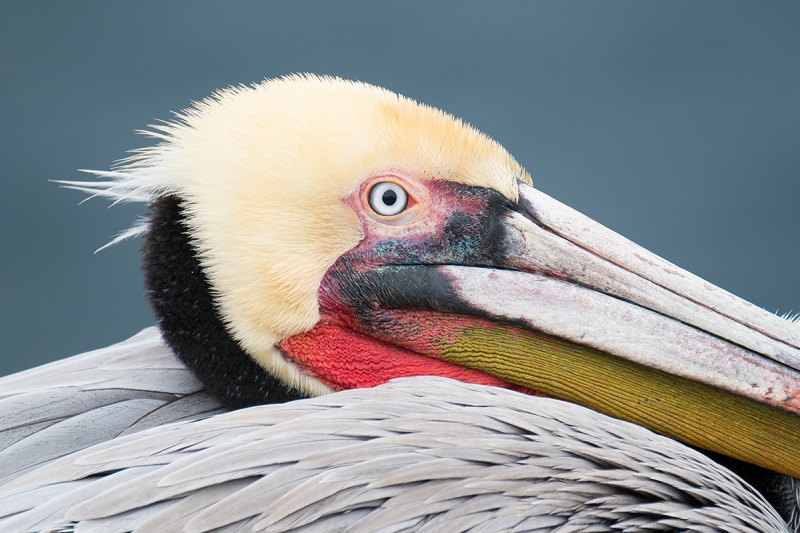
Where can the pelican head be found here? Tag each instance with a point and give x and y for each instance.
(311, 234)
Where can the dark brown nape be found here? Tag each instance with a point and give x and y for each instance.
(184, 307)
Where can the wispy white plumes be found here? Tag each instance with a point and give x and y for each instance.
(139, 228)
(122, 187)
(119, 187)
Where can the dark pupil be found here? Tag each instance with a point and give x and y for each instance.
(389, 197)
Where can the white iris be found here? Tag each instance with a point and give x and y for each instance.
(388, 198)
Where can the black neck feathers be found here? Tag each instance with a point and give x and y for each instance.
(187, 316)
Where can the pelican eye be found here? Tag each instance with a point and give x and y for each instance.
(388, 198)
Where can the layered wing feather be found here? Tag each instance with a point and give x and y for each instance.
(69, 405)
(418, 454)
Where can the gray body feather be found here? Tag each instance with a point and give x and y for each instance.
(52, 410)
(124, 439)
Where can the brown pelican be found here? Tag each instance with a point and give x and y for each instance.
(310, 235)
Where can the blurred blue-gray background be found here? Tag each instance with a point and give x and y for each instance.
(675, 123)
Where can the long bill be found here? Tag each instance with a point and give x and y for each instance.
(583, 314)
